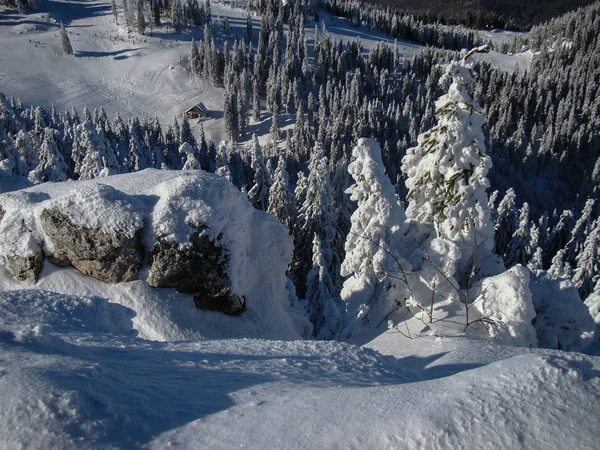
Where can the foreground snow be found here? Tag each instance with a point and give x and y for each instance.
(74, 375)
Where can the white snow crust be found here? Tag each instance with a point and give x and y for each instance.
(506, 300)
(74, 376)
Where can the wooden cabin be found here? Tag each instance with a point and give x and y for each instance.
(198, 111)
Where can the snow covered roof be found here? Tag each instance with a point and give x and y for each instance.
(199, 108)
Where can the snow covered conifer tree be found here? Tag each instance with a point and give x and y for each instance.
(93, 153)
(587, 272)
(140, 20)
(259, 193)
(139, 158)
(324, 307)
(560, 267)
(28, 153)
(191, 162)
(580, 231)
(447, 171)
(301, 188)
(52, 166)
(195, 62)
(372, 243)
(281, 199)
(222, 167)
(65, 42)
(315, 215)
(9, 156)
(185, 134)
(506, 222)
(177, 16)
(517, 248)
(249, 27)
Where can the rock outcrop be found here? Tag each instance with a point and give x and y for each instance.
(106, 255)
(198, 268)
(25, 268)
(190, 231)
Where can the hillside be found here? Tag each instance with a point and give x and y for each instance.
(486, 13)
(373, 239)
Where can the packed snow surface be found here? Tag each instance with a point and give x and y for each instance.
(74, 375)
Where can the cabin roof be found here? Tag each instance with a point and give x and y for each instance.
(199, 108)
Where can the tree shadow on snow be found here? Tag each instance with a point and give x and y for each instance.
(419, 367)
(67, 12)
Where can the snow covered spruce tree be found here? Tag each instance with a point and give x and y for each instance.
(65, 42)
(447, 172)
(315, 216)
(372, 263)
(281, 199)
(259, 193)
(323, 305)
(52, 165)
(191, 162)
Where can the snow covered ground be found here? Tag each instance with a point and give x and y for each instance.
(144, 76)
(79, 371)
(74, 375)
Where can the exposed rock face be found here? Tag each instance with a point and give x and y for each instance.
(200, 269)
(25, 259)
(25, 268)
(108, 256)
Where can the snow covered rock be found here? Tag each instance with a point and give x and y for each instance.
(199, 269)
(97, 230)
(198, 233)
(24, 268)
(20, 246)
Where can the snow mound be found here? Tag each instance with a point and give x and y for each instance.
(166, 205)
(506, 301)
(73, 376)
(101, 206)
(563, 321)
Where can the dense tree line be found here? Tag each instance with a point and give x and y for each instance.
(540, 127)
(47, 145)
(478, 14)
(403, 25)
(21, 5)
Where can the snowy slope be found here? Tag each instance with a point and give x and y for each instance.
(144, 76)
(133, 75)
(75, 376)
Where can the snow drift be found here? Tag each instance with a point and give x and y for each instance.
(156, 229)
(74, 376)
